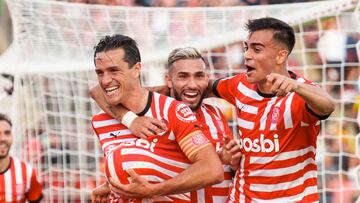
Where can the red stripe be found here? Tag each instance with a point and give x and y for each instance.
(13, 180)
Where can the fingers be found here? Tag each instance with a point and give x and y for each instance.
(280, 84)
(146, 126)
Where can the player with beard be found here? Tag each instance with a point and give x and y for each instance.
(187, 80)
(18, 182)
(175, 161)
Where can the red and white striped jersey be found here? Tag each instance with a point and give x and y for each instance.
(278, 143)
(218, 129)
(19, 183)
(156, 158)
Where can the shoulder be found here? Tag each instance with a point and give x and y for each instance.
(101, 116)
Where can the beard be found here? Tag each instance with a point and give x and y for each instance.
(193, 107)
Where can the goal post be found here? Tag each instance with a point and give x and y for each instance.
(51, 58)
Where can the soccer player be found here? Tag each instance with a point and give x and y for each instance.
(188, 79)
(18, 182)
(175, 161)
(278, 114)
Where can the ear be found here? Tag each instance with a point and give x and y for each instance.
(282, 56)
(137, 69)
(168, 81)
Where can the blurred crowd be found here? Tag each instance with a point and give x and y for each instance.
(186, 3)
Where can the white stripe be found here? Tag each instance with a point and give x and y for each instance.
(18, 172)
(302, 80)
(218, 199)
(98, 124)
(282, 171)
(142, 164)
(294, 198)
(157, 105)
(223, 184)
(200, 195)
(167, 161)
(246, 108)
(116, 132)
(266, 112)
(166, 107)
(303, 124)
(111, 167)
(283, 185)
(8, 185)
(245, 124)
(287, 114)
(116, 142)
(171, 136)
(273, 125)
(29, 174)
(152, 178)
(249, 92)
(281, 156)
(183, 196)
(209, 122)
(242, 180)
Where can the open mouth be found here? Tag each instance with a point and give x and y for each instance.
(249, 68)
(111, 90)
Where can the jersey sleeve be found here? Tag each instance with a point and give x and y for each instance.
(188, 131)
(226, 88)
(35, 191)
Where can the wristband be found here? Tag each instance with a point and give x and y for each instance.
(128, 118)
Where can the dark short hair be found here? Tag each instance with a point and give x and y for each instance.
(132, 53)
(283, 32)
(4, 117)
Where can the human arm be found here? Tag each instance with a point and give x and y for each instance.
(318, 100)
(100, 193)
(205, 170)
(230, 153)
(140, 126)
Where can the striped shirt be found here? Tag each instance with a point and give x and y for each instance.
(18, 183)
(278, 143)
(156, 158)
(218, 129)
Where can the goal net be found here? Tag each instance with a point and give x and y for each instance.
(51, 58)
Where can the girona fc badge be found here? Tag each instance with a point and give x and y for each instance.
(184, 113)
(275, 115)
(199, 139)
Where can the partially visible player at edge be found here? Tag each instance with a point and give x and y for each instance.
(18, 181)
(278, 114)
(175, 161)
(188, 79)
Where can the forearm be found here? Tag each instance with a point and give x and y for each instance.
(207, 170)
(318, 100)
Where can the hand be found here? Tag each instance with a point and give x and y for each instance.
(145, 126)
(137, 189)
(281, 85)
(230, 153)
(100, 193)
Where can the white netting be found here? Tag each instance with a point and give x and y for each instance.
(51, 58)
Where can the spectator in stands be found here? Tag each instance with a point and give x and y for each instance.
(18, 181)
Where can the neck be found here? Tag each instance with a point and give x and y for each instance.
(4, 163)
(137, 99)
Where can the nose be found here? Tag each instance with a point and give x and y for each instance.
(192, 83)
(247, 55)
(106, 79)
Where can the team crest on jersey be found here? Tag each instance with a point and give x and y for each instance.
(184, 113)
(275, 115)
(199, 139)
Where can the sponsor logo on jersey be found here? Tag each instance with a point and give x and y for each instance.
(199, 139)
(143, 143)
(260, 144)
(184, 113)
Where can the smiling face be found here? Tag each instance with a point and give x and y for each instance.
(188, 81)
(114, 75)
(5, 139)
(263, 55)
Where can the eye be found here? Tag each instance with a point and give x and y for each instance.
(245, 48)
(99, 73)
